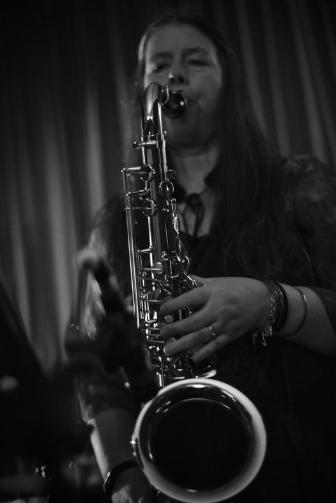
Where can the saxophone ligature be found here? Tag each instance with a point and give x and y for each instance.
(198, 439)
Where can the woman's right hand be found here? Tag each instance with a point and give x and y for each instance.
(132, 487)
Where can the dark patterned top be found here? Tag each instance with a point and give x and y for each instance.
(292, 386)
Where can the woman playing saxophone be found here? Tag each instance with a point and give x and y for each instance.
(260, 231)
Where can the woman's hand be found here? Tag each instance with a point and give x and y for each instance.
(132, 487)
(223, 310)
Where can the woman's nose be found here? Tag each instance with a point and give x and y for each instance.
(178, 76)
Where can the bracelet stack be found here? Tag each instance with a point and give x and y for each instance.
(277, 314)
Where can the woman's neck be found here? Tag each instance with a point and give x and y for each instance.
(192, 166)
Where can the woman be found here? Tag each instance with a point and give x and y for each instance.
(256, 226)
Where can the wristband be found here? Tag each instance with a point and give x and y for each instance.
(113, 475)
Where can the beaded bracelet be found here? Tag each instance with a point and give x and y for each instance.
(281, 304)
(113, 475)
(277, 314)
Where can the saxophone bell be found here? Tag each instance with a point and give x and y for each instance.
(199, 440)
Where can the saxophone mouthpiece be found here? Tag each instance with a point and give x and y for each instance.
(175, 105)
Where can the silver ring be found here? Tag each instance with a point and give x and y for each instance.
(211, 334)
(212, 331)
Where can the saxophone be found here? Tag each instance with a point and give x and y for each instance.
(198, 439)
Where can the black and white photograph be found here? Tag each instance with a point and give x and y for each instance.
(168, 251)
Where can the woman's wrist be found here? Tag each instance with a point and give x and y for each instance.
(286, 315)
(275, 314)
(297, 311)
(113, 475)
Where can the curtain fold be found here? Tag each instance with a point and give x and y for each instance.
(65, 91)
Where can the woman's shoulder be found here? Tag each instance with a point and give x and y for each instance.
(310, 187)
(311, 202)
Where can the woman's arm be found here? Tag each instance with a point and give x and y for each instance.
(111, 438)
(115, 384)
(112, 431)
(317, 332)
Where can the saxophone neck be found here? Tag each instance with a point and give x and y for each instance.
(154, 96)
(158, 99)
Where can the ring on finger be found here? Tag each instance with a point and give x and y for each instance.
(211, 333)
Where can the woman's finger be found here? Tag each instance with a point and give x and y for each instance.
(210, 349)
(193, 350)
(201, 336)
(194, 298)
(187, 325)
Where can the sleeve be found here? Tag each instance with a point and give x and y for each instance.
(98, 393)
(313, 201)
(328, 297)
(310, 376)
(99, 390)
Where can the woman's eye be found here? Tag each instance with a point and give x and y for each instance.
(197, 62)
(160, 67)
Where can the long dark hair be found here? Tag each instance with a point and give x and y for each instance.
(252, 229)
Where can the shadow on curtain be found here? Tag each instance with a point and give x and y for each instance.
(65, 90)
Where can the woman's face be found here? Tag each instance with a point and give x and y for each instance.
(186, 59)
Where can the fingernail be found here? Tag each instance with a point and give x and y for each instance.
(169, 348)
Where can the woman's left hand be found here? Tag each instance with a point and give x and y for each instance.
(224, 309)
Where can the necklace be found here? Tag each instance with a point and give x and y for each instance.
(192, 212)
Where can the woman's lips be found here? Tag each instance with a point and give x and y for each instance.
(191, 103)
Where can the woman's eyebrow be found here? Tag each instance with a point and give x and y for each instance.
(160, 55)
(192, 51)
(188, 51)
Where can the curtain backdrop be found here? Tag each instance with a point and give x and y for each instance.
(64, 89)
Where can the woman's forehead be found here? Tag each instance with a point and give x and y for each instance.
(176, 37)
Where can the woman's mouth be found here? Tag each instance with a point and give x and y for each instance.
(190, 103)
